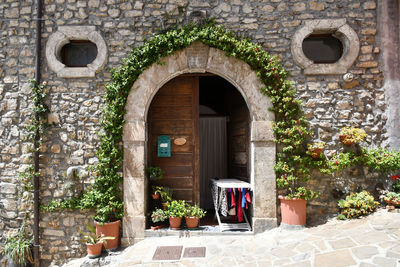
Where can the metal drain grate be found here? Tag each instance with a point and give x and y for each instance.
(194, 252)
(167, 253)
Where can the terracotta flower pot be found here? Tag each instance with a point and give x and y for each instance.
(109, 229)
(175, 223)
(156, 227)
(345, 140)
(94, 250)
(316, 153)
(155, 196)
(164, 205)
(293, 211)
(192, 222)
(394, 203)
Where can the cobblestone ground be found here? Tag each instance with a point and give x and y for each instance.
(369, 241)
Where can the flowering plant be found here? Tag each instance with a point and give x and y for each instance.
(350, 135)
(315, 149)
(396, 183)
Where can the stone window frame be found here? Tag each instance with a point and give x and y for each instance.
(63, 36)
(339, 29)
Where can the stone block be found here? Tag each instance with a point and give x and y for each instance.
(9, 204)
(365, 252)
(264, 197)
(51, 232)
(134, 131)
(342, 243)
(197, 55)
(134, 196)
(262, 131)
(368, 64)
(340, 258)
(69, 221)
(263, 224)
(133, 227)
(369, 5)
(8, 188)
(133, 160)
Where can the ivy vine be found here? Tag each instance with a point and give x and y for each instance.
(35, 130)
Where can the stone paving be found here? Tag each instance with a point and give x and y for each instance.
(369, 241)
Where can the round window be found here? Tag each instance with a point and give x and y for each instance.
(322, 48)
(78, 53)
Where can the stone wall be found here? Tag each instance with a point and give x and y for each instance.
(329, 102)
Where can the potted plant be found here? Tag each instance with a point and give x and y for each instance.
(109, 211)
(94, 242)
(352, 135)
(176, 209)
(193, 215)
(158, 218)
(315, 149)
(155, 173)
(293, 203)
(17, 248)
(164, 192)
(393, 197)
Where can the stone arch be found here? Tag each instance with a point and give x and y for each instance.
(197, 58)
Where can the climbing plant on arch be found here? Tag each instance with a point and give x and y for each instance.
(290, 128)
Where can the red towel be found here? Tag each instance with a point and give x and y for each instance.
(239, 207)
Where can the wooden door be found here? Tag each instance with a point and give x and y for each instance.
(174, 112)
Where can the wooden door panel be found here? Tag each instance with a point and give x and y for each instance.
(176, 159)
(184, 182)
(174, 112)
(172, 100)
(168, 113)
(175, 127)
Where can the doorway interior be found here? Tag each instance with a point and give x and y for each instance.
(210, 114)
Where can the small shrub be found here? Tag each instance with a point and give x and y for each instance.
(176, 208)
(357, 204)
(195, 211)
(158, 216)
(392, 196)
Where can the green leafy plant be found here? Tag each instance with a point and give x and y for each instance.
(350, 135)
(155, 173)
(164, 192)
(176, 208)
(357, 204)
(158, 216)
(392, 196)
(92, 237)
(195, 211)
(18, 247)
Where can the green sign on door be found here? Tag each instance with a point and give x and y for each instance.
(164, 146)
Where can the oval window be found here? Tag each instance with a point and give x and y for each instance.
(322, 48)
(78, 53)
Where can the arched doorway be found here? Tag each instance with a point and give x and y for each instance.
(210, 116)
(197, 58)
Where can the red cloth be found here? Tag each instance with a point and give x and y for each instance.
(239, 207)
(233, 198)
